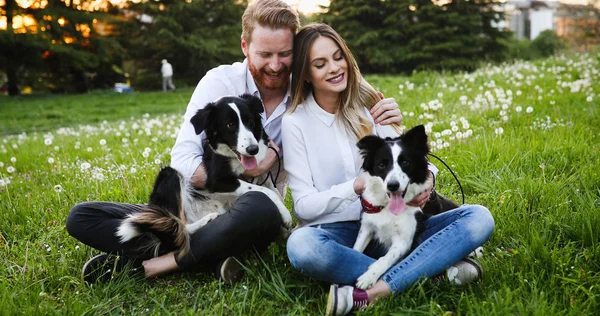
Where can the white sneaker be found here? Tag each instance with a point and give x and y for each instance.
(464, 272)
(343, 300)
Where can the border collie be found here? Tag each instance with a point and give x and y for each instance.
(395, 171)
(235, 142)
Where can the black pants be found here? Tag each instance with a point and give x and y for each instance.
(252, 223)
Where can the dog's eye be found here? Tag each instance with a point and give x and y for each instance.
(404, 163)
(230, 125)
(382, 165)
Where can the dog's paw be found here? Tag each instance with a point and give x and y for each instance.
(375, 191)
(367, 280)
(209, 217)
(284, 232)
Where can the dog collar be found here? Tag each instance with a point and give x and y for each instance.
(369, 208)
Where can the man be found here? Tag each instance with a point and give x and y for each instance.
(167, 73)
(254, 221)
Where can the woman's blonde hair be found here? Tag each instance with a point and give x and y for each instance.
(358, 93)
(274, 14)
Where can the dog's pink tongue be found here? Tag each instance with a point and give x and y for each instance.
(396, 205)
(249, 162)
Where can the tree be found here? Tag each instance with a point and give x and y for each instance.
(194, 37)
(58, 47)
(403, 35)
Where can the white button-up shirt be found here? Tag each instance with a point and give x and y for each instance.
(322, 162)
(226, 80)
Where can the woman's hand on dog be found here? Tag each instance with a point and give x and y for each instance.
(386, 111)
(266, 164)
(359, 185)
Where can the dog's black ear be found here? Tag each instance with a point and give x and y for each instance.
(368, 145)
(416, 138)
(254, 103)
(202, 117)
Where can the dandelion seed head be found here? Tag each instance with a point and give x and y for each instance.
(518, 109)
(103, 142)
(10, 169)
(13, 159)
(48, 141)
(58, 188)
(50, 160)
(529, 109)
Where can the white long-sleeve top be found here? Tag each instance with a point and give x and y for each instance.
(167, 70)
(225, 80)
(322, 162)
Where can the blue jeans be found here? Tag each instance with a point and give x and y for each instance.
(324, 251)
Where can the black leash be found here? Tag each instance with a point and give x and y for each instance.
(452, 172)
(269, 174)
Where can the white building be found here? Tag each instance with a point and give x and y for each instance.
(528, 18)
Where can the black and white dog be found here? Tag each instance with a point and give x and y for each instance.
(235, 142)
(395, 171)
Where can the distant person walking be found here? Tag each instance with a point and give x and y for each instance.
(167, 74)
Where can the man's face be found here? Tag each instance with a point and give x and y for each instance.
(270, 56)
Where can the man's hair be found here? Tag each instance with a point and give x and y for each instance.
(358, 93)
(274, 14)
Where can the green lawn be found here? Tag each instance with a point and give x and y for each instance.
(523, 138)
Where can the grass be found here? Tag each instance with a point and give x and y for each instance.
(537, 170)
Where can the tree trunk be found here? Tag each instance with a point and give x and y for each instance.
(11, 68)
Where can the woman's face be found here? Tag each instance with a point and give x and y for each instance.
(327, 67)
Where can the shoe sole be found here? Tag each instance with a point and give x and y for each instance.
(331, 300)
(231, 271)
(87, 263)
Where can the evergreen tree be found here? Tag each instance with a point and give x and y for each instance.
(58, 48)
(194, 37)
(403, 35)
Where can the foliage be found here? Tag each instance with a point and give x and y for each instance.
(404, 35)
(546, 44)
(59, 49)
(193, 36)
(531, 157)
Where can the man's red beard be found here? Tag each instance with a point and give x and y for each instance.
(262, 79)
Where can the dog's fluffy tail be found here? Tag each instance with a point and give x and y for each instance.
(164, 216)
(159, 221)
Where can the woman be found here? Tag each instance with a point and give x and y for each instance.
(329, 114)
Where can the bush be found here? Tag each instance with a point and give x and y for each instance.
(547, 43)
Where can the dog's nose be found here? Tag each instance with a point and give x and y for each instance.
(393, 186)
(252, 149)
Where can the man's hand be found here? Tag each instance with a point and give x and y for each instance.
(266, 164)
(421, 199)
(386, 111)
(198, 179)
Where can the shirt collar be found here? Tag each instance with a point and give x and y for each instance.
(324, 116)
